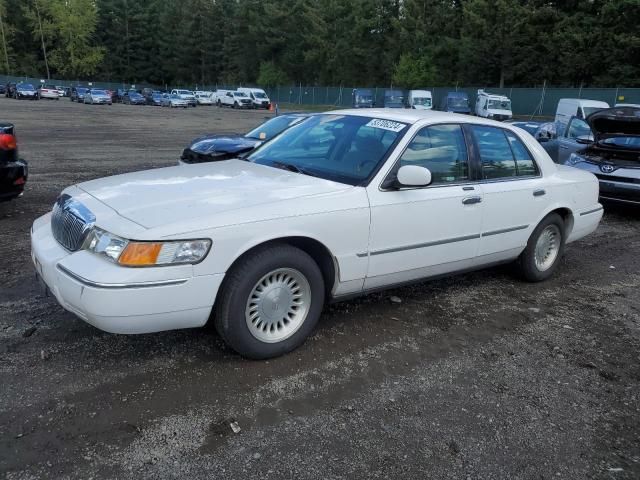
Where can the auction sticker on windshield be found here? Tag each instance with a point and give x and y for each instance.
(386, 125)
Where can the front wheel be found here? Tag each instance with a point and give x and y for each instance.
(545, 247)
(270, 302)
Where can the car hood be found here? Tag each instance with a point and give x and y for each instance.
(153, 198)
(212, 144)
(615, 122)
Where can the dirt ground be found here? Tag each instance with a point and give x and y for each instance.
(479, 376)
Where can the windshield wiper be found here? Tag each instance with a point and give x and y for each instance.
(292, 168)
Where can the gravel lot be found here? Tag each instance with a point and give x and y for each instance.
(480, 376)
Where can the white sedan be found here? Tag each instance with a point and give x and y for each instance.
(341, 204)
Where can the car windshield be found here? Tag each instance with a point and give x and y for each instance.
(273, 127)
(184, 92)
(239, 94)
(98, 92)
(341, 148)
(134, 94)
(26, 86)
(458, 102)
(156, 95)
(50, 86)
(366, 98)
(632, 143)
(259, 95)
(426, 102)
(499, 104)
(81, 90)
(175, 96)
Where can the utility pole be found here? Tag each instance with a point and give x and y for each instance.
(44, 49)
(4, 40)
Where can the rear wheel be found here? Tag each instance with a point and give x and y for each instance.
(545, 247)
(270, 302)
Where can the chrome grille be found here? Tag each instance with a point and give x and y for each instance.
(71, 222)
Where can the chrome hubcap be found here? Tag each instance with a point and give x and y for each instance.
(278, 305)
(547, 247)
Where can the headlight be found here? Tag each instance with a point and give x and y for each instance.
(146, 254)
(574, 158)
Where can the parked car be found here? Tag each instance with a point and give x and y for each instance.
(491, 105)
(155, 99)
(77, 94)
(174, 100)
(234, 99)
(541, 131)
(61, 90)
(576, 107)
(613, 154)
(203, 99)
(10, 89)
(394, 99)
(67, 92)
(97, 96)
(455, 102)
(217, 147)
(331, 208)
(570, 138)
(258, 97)
(420, 100)
(186, 95)
(26, 91)
(133, 98)
(3, 89)
(362, 98)
(13, 170)
(49, 91)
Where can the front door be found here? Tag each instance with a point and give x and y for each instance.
(568, 144)
(421, 232)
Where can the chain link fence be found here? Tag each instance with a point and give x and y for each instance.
(541, 101)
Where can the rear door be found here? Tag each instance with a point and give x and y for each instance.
(513, 192)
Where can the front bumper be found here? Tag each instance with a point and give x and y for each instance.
(51, 95)
(119, 299)
(13, 177)
(28, 96)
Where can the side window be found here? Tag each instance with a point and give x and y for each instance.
(578, 128)
(495, 152)
(524, 163)
(441, 149)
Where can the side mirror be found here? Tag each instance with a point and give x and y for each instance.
(413, 176)
(585, 139)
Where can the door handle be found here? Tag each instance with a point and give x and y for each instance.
(466, 189)
(539, 193)
(471, 200)
(564, 147)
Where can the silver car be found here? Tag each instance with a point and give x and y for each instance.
(95, 96)
(611, 151)
(173, 100)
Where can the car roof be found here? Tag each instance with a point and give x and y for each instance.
(408, 115)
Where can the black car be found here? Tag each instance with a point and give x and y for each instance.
(612, 153)
(13, 170)
(26, 91)
(77, 94)
(213, 148)
(133, 98)
(3, 89)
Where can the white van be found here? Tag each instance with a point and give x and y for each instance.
(258, 96)
(577, 107)
(496, 107)
(420, 99)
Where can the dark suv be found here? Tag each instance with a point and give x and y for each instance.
(77, 94)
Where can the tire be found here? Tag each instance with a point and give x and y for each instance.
(235, 105)
(532, 266)
(282, 265)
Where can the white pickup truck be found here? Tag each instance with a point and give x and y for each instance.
(233, 99)
(186, 95)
